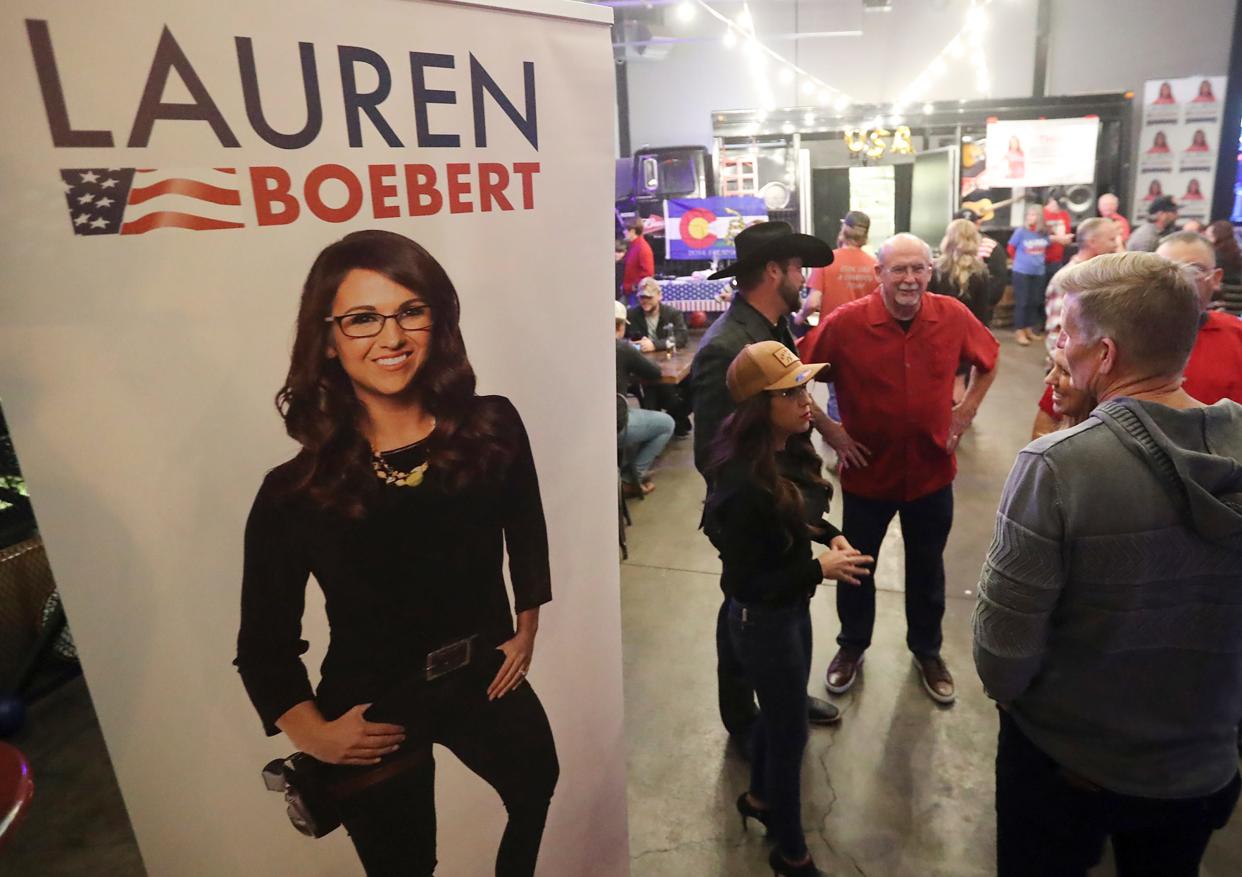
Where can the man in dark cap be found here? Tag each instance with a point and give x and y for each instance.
(1160, 218)
(771, 259)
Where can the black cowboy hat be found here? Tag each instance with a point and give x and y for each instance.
(774, 241)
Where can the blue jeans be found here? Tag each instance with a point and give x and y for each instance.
(773, 646)
(646, 434)
(1028, 301)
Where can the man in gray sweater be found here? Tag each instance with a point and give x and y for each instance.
(1109, 621)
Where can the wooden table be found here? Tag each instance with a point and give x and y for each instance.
(675, 369)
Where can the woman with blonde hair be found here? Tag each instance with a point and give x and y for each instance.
(959, 270)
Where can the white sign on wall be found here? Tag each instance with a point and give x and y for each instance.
(1041, 152)
(1178, 144)
(175, 172)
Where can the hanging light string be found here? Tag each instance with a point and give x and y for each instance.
(741, 31)
(967, 41)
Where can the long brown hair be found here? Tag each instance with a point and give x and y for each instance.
(746, 438)
(322, 412)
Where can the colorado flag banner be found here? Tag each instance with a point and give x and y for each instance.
(704, 228)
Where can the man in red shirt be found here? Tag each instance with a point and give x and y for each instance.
(1214, 371)
(1109, 208)
(1058, 221)
(639, 260)
(893, 355)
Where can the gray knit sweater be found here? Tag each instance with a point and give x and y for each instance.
(1109, 617)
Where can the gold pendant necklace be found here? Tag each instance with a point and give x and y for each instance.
(397, 477)
(391, 475)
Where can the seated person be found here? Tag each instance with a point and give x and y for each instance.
(645, 432)
(651, 324)
(1061, 406)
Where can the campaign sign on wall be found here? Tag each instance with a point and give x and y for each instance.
(704, 228)
(172, 174)
(1178, 144)
(1041, 152)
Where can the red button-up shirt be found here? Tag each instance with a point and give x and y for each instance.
(1214, 371)
(895, 389)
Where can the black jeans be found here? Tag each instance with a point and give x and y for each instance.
(1050, 824)
(507, 742)
(925, 525)
(774, 647)
(735, 694)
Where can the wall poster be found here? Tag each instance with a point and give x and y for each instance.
(1178, 144)
(350, 205)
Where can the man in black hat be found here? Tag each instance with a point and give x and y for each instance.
(1160, 218)
(771, 257)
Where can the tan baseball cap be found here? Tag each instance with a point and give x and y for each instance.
(767, 365)
(619, 311)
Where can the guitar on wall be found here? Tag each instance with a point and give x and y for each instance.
(985, 208)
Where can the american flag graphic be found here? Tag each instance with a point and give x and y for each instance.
(138, 200)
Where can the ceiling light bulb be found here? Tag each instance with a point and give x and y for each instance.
(685, 12)
(841, 103)
(787, 128)
(808, 119)
(744, 21)
(730, 38)
(927, 108)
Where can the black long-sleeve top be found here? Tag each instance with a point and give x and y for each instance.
(631, 364)
(423, 569)
(763, 562)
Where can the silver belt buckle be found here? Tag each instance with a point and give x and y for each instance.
(448, 658)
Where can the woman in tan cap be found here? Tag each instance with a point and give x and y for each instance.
(767, 503)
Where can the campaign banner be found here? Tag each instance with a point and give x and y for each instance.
(290, 446)
(704, 228)
(1178, 144)
(1041, 152)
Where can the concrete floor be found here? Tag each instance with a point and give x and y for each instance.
(902, 786)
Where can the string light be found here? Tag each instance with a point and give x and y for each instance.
(741, 29)
(971, 32)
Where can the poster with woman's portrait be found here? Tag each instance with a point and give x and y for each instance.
(333, 524)
(1158, 154)
(1179, 140)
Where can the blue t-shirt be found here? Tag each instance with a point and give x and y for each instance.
(1028, 251)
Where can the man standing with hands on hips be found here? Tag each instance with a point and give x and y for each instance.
(893, 356)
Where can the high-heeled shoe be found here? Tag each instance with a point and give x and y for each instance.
(782, 868)
(750, 811)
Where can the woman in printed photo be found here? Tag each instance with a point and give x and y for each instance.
(1193, 192)
(1166, 95)
(1154, 191)
(1198, 142)
(1015, 159)
(1205, 95)
(1160, 143)
(407, 491)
